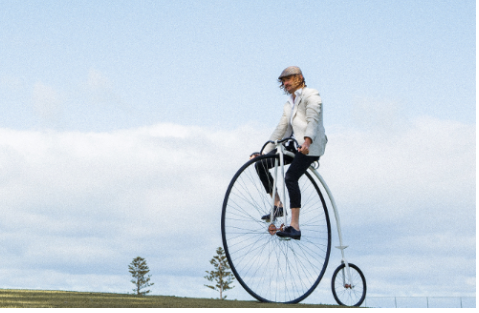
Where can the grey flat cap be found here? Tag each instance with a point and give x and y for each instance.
(292, 70)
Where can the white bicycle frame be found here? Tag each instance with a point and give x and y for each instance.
(281, 151)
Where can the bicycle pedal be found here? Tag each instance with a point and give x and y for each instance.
(272, 229)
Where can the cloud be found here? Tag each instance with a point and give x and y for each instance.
(78, 207)
(385, 116)
(407, 204)
(101, 90)
(429, 164)
(98, 81)
(47, 102)
(74, 201)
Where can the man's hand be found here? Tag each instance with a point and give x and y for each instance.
(304, 148)
(254, 155)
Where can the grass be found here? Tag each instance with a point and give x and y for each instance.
(70, 299)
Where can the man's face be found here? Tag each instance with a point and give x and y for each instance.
(290, 83)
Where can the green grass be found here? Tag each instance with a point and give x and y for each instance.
(69, 299)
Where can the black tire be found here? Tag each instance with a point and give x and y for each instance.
(269, 268)
(345, 292)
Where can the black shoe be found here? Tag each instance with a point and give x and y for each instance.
(278, 211)
(290, 232)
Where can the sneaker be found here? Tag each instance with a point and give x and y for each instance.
(278, 211)
(290, 232)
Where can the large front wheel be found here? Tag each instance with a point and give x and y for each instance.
(348, 289)
(270, 268)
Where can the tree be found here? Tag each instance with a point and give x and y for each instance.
(138, 270)
(221, 274)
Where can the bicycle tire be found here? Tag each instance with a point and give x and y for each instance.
(354, 293)
(269, 268)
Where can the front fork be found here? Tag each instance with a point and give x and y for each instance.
(347, 283)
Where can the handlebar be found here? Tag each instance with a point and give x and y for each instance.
(275, 142)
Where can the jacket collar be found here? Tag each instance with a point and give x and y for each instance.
(298, 93)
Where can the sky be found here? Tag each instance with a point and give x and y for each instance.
(122, 123)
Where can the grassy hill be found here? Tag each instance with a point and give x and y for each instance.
(68, 299)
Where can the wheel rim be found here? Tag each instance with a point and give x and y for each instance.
(272, 269)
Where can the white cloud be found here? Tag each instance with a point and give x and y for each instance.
(83, 205)
(98, 80)
(77, 200)
(429, 164)
(378, 115)
(407, 204)
(47, 101)
(101, 90)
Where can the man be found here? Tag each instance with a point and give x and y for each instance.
(302, 119)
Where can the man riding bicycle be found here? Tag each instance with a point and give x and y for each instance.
(302, 120)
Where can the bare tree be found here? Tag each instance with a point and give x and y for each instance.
(138, 269)
(221, 274)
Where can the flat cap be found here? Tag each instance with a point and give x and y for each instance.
(292, 70)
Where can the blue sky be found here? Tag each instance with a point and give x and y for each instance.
(136, 101)
(155, 54)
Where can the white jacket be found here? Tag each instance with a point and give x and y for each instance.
(307, 122)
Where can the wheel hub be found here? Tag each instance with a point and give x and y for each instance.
(272, 229)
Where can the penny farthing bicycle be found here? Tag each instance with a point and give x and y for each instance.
(275, 269)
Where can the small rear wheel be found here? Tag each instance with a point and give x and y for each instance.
(348, 292)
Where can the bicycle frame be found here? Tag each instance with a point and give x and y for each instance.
(281, 151)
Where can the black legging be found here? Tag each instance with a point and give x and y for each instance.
(299, 166)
